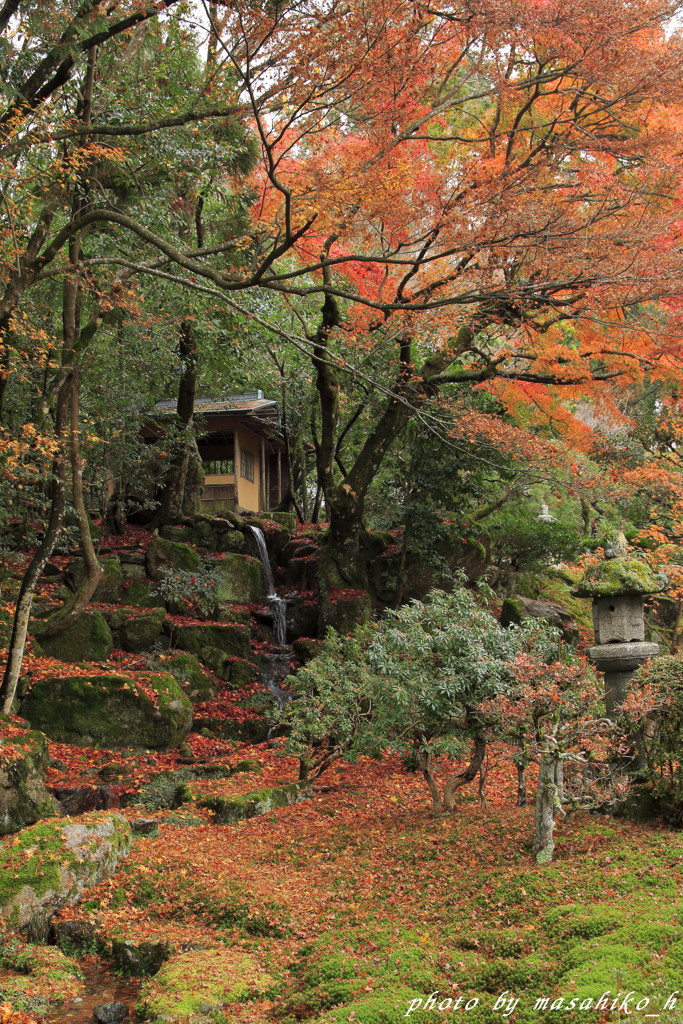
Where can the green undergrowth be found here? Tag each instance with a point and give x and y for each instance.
(36, 979)
(202, 982)
(605, 917)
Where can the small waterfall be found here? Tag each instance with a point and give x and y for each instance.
(278, 604)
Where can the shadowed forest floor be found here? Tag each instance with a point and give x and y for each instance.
(348, 906)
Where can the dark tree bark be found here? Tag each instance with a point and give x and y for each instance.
(183, 480)
(345, 555)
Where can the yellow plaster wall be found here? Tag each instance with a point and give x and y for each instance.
(248, 493)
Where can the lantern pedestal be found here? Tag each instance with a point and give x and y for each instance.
(619, 662)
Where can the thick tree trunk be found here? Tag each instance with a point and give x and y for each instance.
(344, 557)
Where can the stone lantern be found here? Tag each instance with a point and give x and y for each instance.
(617, 587)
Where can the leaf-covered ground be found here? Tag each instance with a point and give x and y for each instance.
(356, 903)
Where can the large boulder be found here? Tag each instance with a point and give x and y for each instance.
(229, 637)
(88, 639)
(241, 579)
(140, 632)
(133, 565)
(517, 608)
(275, 536)
(163, 555)
(23, 769)
(49, 865)
(110, 711)
(237, 671)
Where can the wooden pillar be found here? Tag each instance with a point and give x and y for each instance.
(237, 468)
(263, 500)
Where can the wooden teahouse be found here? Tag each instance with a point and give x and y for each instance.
(242, 451)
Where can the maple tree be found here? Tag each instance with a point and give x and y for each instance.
(436, 214)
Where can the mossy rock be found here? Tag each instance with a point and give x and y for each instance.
(518, 608)
(235, 613)
(559, 585)
(140, 632)
(142, 594)
(23, 770)
(167, 554)
(201, 982)
(47, 866)
(343, 610)
(229, 637)
(286, 519)
(166, 790)
(88, 639)
(613, 576)
(253, 730)
(307, 648)
(241, 579)
(139, 959)
(247, 765)
(109, 587)
(242, 673)
(231, 541)
(188, 671)
(38, 979)
(178, 534)
(110, 711)
(228, 809)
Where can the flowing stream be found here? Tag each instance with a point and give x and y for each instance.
(101, 986)
(276, 665)
(277, 603)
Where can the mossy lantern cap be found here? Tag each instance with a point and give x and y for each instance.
(616, 576)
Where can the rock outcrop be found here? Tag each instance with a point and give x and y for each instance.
(23, 767)
(110, 711)
(49, 865)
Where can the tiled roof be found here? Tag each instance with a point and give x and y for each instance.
(232, 403)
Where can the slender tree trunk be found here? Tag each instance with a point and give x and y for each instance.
(521, 783)
(22, 615)
(482, 786)
(64, 410)
(182, 486)
(548, 804)
(71, 339)
(676, 628)
(437, 802)
(70, 612)
(458, 781)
